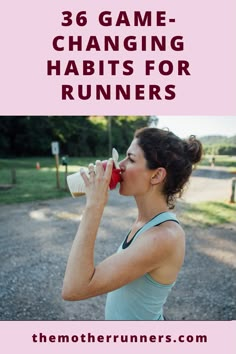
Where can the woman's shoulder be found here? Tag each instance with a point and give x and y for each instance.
(166, 236)
(170, 231)
(160, 246)
(168, 247)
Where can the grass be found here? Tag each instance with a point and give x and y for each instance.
(221, 160)
(209, 213)
(32, 184)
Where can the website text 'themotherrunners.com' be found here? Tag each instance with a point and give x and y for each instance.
(118, 338)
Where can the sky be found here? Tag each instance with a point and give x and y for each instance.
(183, 126)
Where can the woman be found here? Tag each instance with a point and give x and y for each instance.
(139, 277)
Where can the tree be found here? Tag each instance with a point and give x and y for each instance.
(77, 135)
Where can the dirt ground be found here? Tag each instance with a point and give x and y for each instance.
(36, 238)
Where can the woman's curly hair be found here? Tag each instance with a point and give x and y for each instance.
(162, 148)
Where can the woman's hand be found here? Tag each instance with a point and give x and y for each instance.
(97, 183)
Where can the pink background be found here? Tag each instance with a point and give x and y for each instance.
(26, 30)
(28, 27)
(220, 337)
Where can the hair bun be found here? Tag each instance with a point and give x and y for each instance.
(193, 149)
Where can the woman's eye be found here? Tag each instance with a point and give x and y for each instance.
(131, 160)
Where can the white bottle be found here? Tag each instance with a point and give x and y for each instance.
(76, 183)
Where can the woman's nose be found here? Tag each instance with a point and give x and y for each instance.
(122, 165)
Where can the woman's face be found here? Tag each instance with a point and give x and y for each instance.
(135, 176)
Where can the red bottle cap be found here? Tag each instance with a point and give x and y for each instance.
(115, 176)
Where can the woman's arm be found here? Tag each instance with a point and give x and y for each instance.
(80, 266)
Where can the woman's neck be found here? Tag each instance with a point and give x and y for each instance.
(148, 207)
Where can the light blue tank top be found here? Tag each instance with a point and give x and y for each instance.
(143, 298)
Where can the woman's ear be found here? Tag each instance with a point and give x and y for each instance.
(158, 176)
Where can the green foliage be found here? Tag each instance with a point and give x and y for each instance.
(220, 149)
(77, 135)
(123, 128)
(219, 145)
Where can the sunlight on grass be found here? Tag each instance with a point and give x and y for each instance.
(209, 213)
(71, 169)
(69, 216)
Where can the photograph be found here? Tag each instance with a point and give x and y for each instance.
(117, 218)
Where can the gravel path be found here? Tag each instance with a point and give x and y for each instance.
(36, 238)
